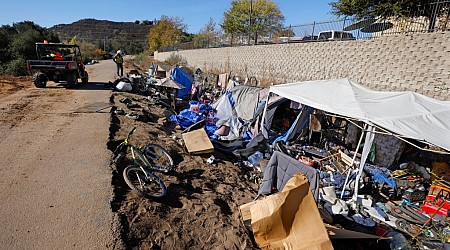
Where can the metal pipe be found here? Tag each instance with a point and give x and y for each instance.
(353, 160)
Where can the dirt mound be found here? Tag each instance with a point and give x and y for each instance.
(9, 84)
(20, 100)
(202, 206)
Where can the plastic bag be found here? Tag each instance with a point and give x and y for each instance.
(124, 86)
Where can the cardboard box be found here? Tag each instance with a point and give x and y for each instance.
(197, 142)
(287, 220)
(291, 220)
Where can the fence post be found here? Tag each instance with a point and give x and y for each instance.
(343, 25)
(433, 16)
(289, 33)
(314, 26)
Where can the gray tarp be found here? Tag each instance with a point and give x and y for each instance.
(246, 99)
(281, 168)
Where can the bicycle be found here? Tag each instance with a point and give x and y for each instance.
(148, 159)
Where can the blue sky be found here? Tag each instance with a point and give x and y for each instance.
(195, 13)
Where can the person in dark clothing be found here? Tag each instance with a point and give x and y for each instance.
(118, 59)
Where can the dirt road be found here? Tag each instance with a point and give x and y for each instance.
(55, 179)
(58, 190)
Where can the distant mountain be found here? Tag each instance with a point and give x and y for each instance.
(92, 29)
(105, 33)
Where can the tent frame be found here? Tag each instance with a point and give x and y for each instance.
(369, 130)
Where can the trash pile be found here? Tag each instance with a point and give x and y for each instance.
(375, 164)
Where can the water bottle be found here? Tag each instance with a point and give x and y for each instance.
(254, 158)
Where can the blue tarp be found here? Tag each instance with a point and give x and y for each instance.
(380, 174)
(210, 129)
(186, 118)
(179, 76)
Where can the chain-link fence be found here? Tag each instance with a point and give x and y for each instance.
(433, 17)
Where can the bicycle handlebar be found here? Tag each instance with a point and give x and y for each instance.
(124, 143)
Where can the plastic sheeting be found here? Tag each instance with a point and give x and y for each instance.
(235, 125)
(181, 77)
(224, 108)
(187, 118)
(300, 123)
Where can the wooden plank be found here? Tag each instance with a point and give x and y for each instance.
(197, 142)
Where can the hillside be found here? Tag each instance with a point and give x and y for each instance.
(106, 34)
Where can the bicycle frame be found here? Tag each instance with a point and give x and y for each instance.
(139, 157)
(140, 176)
(140, 160)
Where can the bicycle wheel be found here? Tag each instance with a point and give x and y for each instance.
(159, 158)
(151, 187)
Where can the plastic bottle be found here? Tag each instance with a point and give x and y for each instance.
(255, 157)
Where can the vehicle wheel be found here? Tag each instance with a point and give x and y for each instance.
(85, 79)
(158, 157)
(71, 78)
(40, 80)
(151, 187)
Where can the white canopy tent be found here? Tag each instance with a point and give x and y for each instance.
(404, 114)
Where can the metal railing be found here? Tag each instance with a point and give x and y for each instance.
(433, 17)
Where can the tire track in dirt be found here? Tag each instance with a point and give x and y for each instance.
(54, 181)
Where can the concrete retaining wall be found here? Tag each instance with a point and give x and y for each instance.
(414, 62)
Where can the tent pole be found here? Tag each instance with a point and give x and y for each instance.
(353, 160)
(264, 114)
(370, 135)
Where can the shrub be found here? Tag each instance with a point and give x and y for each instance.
(16, 67)
(91, 52)
(143, 56)
(176, 59)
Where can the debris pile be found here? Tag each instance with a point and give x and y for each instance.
(375, 164)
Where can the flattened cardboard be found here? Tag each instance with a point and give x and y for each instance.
(289, 219)
(197, 142)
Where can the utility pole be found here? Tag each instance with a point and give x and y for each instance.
(250, 22)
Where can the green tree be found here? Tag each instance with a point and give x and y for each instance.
(22, 43)
(208, 32)
(260, 17)
(166, 32)
(17, 44)
(6, 35)
(364, 9)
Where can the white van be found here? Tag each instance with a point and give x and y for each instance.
(334, 35)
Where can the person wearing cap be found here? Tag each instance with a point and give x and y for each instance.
(118, 59)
